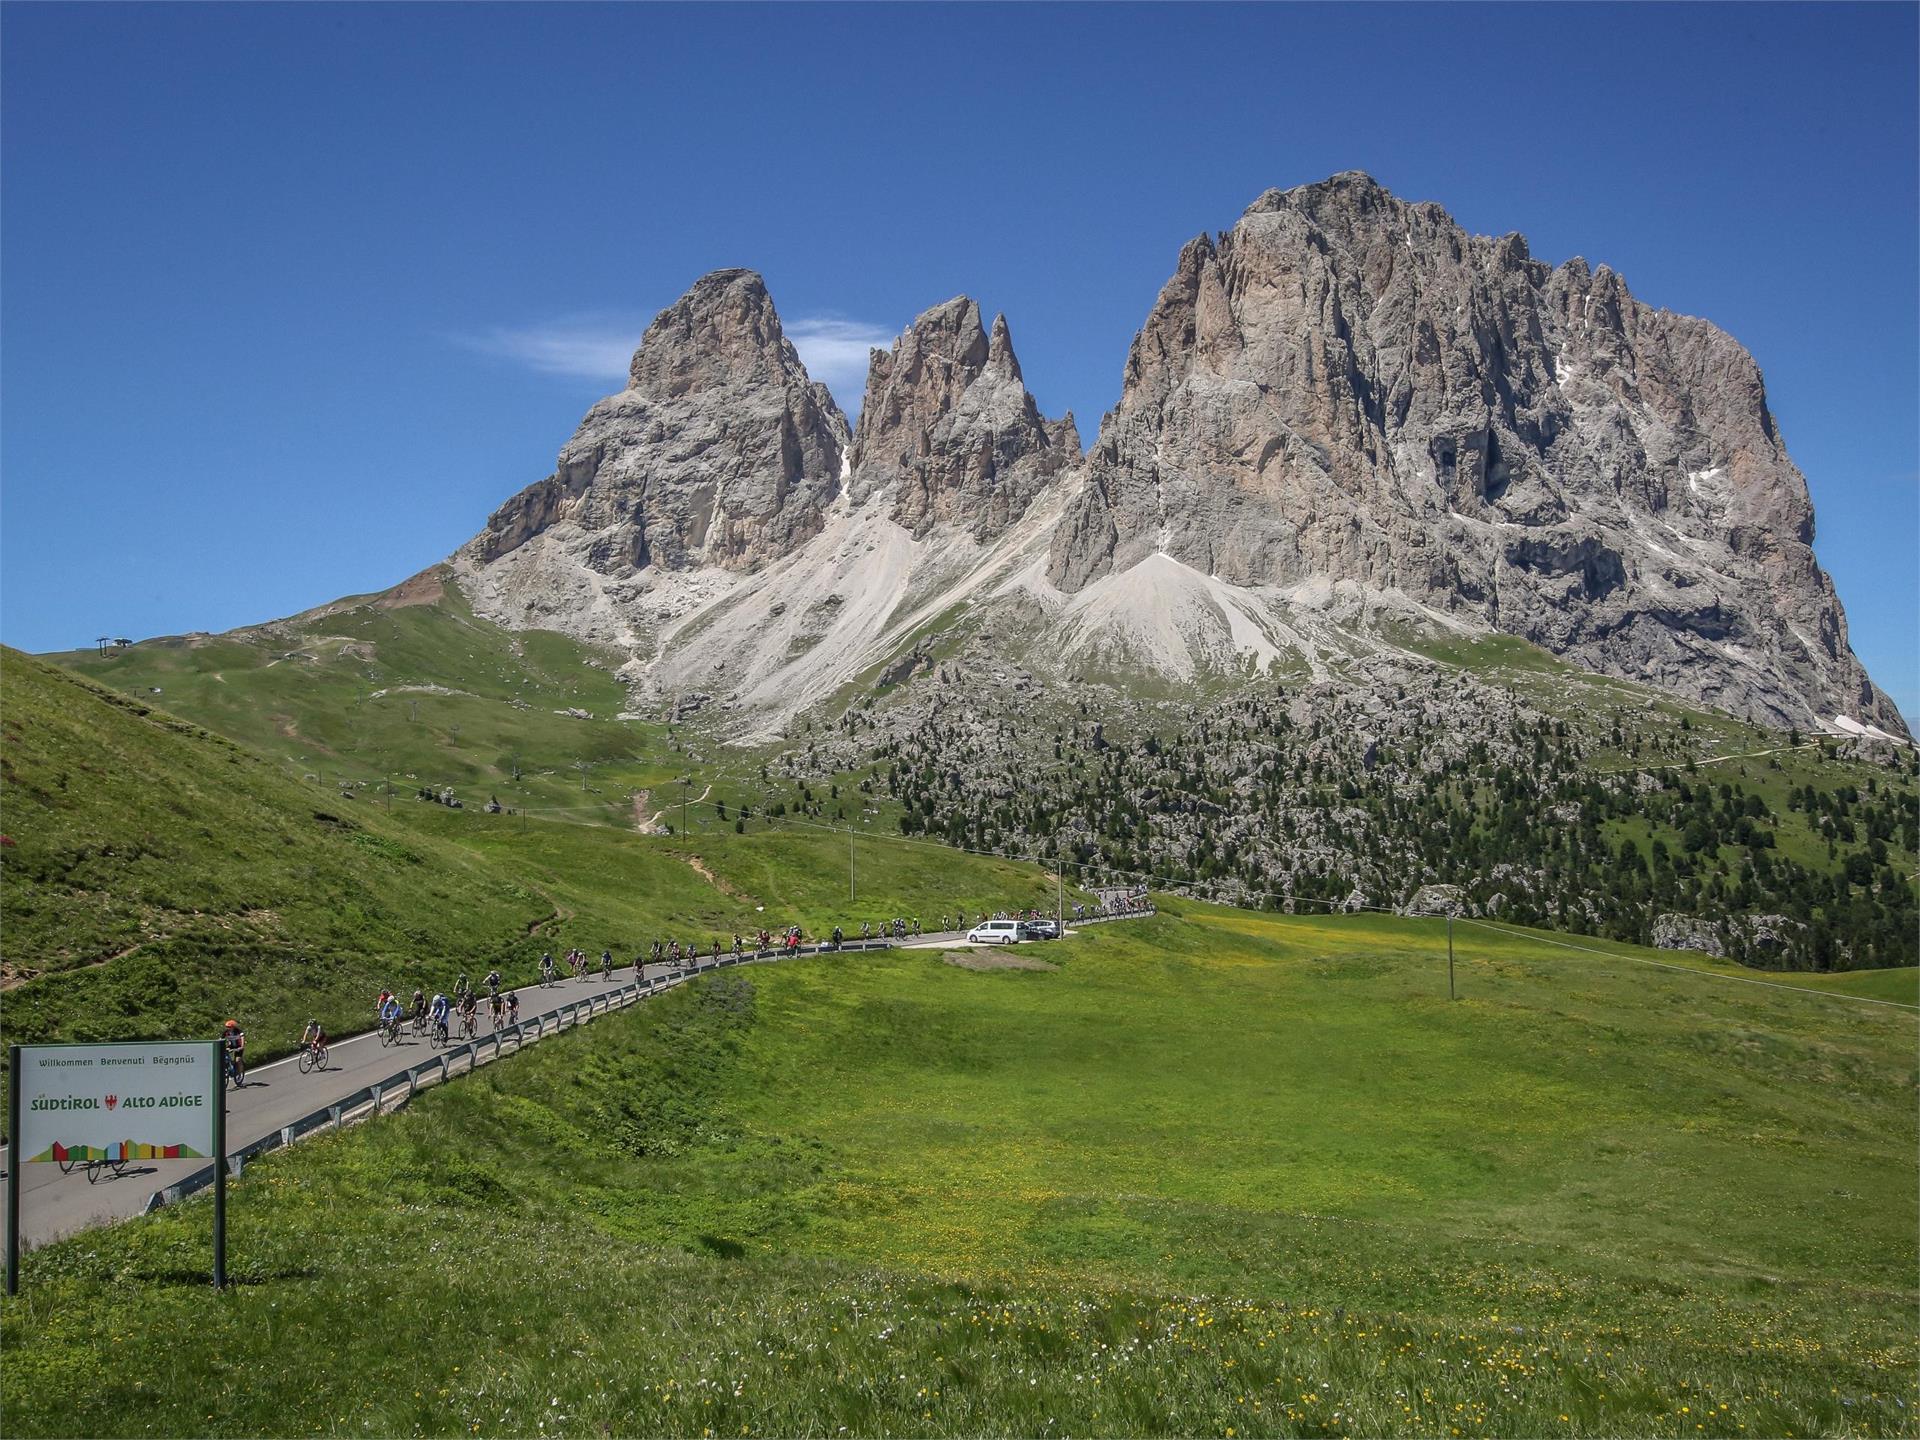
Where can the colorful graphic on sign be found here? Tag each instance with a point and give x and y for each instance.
(142, 1101)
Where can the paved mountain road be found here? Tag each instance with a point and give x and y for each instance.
(53, 1205)
(276, 1095)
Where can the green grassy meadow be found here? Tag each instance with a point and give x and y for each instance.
(410, 688)
(1215, 1173)
(159, 878)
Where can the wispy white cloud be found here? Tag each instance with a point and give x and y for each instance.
(834, 350)
(600, 347)
(586, 347)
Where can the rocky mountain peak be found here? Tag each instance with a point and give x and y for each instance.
(721, 451)
(1000, 357)
(1347, 388)
(1344, 420)
(948, 430)
(722, 332)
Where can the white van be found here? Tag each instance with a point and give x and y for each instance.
(997, 932)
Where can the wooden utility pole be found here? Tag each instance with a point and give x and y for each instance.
(1450, 994)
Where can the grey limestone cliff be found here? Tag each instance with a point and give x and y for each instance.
(720, 451)
(1347, 386)
(949, 431)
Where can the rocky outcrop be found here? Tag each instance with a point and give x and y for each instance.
(1750, 939)
(1436, 900)
(1350, 388)
(948, 433)
(720, 451)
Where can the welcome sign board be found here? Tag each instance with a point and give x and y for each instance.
(142, 1101)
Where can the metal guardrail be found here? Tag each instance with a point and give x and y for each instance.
(372, 1099)
(1145, 914)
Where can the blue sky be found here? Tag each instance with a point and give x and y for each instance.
(294, 296)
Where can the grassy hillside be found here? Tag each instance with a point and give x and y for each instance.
(1217, 1173)
(158, 878)
(410, 687)
(1671, 822)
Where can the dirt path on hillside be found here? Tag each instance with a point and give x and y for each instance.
(640, 821)
(652, 826)
(561, 914)
(13, 975)
(699, 867)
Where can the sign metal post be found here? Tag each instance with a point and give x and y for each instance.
(13, 1170)
(219, 1170)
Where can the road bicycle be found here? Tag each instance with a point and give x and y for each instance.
(437, 1033)
(312, 1058)
(390, 1031)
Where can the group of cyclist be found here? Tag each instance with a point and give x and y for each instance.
(435, 1017)
(578, 965)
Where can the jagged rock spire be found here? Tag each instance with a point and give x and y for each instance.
(948, 430)
(721, 450)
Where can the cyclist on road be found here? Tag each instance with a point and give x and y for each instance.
(513, 1007)
(314, 1037)
(419, 1011)
(439, 1014)
(390, 1013)
(546, 969)
(233, 1041)
(493, 982)
(606, 965)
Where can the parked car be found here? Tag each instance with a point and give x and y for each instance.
(997, 932)
(1043, 930)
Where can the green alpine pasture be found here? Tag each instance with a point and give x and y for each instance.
(410, 689)
(1209, 1173)
(158, 878)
